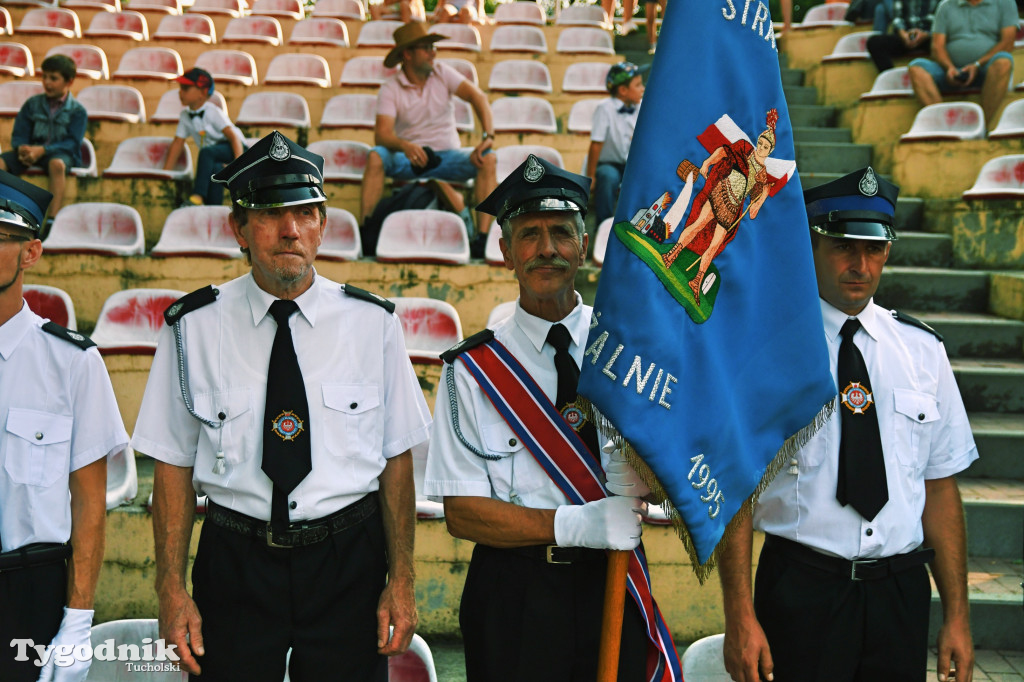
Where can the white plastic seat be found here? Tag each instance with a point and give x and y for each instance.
(283, 9)
(344, 160)
(165, 6)
(197, 231)
(518, 39)
(102, 5)
(500, 312)
(509, 157)
(16, 60)
(229, 66)
(1011, 122)
(492, 249)
(415, 665)
(947, 121)
(378, 33)
(584, 40)
(365, 71)
(253, 29)
(463, 66)
(465, 120)
(581, 116)
(519, 75)
(1000, 178)
(460, 37)
(425, 509)
(168, 110)
(122, 478)
(195, 27)
(581, 15)
(430, 327)
(529, 13)
(161, 63)
(889, 84)
(830, 14)
(113, 103)
(130, 320)
(52, 303)
(423, 236)
(274, 108)
(341, 241)
(13, 95)
(319, 31)
(350, 111)
(703, 661)
(143, 157)
(523, 115)
(51, 21)
(123, 24)
(340, 9)
(97, 227)
(6, 25)
(132, 632)
(604, 230)
(298, 69)
(586, 78)
(90, 60)
(851, 47)
(222, 8)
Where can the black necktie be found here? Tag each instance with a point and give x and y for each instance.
(196, 114)
(568, 378)
(862, 482)
(286, 454)
(627, 110)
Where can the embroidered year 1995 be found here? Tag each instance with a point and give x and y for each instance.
(712, 493)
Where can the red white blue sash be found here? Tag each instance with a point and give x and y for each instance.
(577, 473)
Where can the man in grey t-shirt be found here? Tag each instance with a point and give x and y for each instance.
(971, 45)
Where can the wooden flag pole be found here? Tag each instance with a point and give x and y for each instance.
(611, 623)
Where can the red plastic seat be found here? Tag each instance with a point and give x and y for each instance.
(165, 6)
(16, 60)
(891, 83)
(6, 26)
(823, 16)
(52, 303)
(423, 236)
(14, 94)
(194, 27)
(416, 664)
(430, 327)
(1000, 178)
(123, 24)
(197, 231)
(465, 119)
(463, 66)
(90, 60)
(51, 21)
(1011, 122)
(320, 31)
(130, 320)
(160, 63)
(344, 160)
(102, 5)
(274, 108)
(105, 229)
(229, 66)
(947, 121)
(143, 157)
(581, 15)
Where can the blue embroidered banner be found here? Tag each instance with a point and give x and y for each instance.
(707, 352)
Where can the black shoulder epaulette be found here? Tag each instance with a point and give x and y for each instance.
(189, 302)
(369, 297)
(80, 340)
(914, 322)
(469, 342)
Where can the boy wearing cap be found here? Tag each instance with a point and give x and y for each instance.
(611, 135)
(60, 423)
(219, 141)
(842, 592)
(48, 131)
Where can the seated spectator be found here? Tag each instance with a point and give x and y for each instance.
(971, 45)
(911, 31)
(611, 135)
(651, 14)
(48, 131)
(407, 10)
(460, 12)
(219, 141)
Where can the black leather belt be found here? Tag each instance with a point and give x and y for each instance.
(298, 534)
(553, 554)
(36, 554)
(857, 569)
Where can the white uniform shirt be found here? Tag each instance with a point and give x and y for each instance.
(207, 129)
(365, 403)
(452, 469)
(925, 435)
(59, 414)
(613, 129)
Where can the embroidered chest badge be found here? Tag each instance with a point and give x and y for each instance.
(856, 397)
(287, 425)
(573, 416)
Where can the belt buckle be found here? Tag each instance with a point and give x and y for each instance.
(550, 557)
(853, 568)
(270, 538)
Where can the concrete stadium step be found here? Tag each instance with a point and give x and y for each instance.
(933, 289)
(994, 592)
(991, 385)
(832, 157)
(800, 94)
(972, 335)
(909, 214)
(811, 115)
(792, 77)
(813, 134)
(994, 509)
(1000, 440)
(922, 249)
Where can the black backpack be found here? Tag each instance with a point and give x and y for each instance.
(412, 195)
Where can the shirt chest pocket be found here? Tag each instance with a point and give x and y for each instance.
(231, 412)
(37, 447)
(514, 471)
(353, 419)
(916, 416)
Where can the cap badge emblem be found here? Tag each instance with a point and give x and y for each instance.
(868, 184)
(533, 171)
(279, 150)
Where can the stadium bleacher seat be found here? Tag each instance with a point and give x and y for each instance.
(222, 8)
(340, 9)
(581, 116)
(344, 160)
(130, 320)
(511, 156)
(416, 664)
(253, 29)
(274, 108)
(282, 9)
(319, 31)
(52, 303)
(349, 111)
(423, 236)
(122, 478)
(16, 60)
(586, 78)
(197, 27)
(165, 6)
(529, 13)
(102, 5)
(465, 119)
(365, 71)
(703, 660)
(14, 93)
(891, 83)
(341, 241)
(584, 40)
(500, 312)
(143, 157)
(464, 67)
(523, 115)
(430, 326)
(999, 178)
(106, 229)
(604, 230)
(6, 25)
(581, 15)
(52, 21)
(850, 47)
(520, 75)
(229, 66)
(378, 33)
(1011, 122)
(519, 39)
(90, 60)
(947, 121)
(460, 37)
(298, 69)
(160, 63)
(197, 231)
(123, 24)
(492, 249)
(820, 16)
(168, 109)
(113, 103)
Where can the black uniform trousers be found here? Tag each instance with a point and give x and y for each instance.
(31, 607)
(320, 600)
(825, 627)
(525, 619)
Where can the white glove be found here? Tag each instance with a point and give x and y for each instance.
(620, 479)
(611, 523)
(63, 665)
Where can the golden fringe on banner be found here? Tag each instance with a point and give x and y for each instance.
(782, 457)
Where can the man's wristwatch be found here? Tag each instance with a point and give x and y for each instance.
(977, 64)
(486, 136)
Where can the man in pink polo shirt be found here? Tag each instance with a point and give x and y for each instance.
(415, 129)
